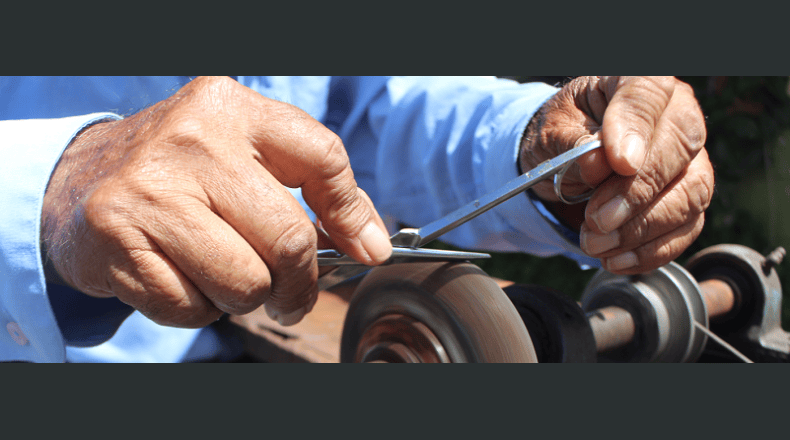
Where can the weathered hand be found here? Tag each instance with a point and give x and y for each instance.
(651, 208)
(181, 210)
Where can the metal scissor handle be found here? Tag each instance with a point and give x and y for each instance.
(429, 232)
(569, 200)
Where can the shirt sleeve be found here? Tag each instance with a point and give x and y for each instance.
(31, 148)
(424, 146)
(420, 146)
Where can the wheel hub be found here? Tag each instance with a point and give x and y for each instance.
(399, 338)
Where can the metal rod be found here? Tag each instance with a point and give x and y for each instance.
(718, 296)
(612, 327)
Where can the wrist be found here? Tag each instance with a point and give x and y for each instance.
(532, 152)
(530, 141)
(64, 190)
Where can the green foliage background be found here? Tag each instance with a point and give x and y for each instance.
(748, 123)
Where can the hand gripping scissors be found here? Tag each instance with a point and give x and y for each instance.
(407, 242)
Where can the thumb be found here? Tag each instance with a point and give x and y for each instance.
(635, 107)
(349, 219)
(301, 152)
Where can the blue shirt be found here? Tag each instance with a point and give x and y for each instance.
(419, 146)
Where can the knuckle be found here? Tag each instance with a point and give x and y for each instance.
(700, 194)
(663, 86)
(657, 253)
(105, 215)
(345, 211)
(576, 87)
(232, 280)
(663, 250)
(294, 274)
(646, 97)
(697, 186)
(334, 162)
(639, 229)
(165, 303)
(644, 111)
(683, 87)
(327, 168)
(138, 279)
(210, 97)
(663, 254)
(99, 209)
(296, 245)
(648, 185)
(186, 129)
(214, 83)
(666, 83)
(246, 295)
(290, 297)
(169, 309)
(659, 86)
(688, 128)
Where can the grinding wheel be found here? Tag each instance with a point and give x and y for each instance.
(433, 312)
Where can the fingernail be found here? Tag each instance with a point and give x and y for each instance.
(634, 151)
(292, 318)
(584, 139)
(612, 214)
(594, 244)
(622, 261)
(376, 242)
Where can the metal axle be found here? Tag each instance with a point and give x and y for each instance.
(614, 326)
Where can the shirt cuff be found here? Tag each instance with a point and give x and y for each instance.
(83, 320)
(31, 149)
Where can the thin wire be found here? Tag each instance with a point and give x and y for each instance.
(722, 342)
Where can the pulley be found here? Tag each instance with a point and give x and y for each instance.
(664, 304)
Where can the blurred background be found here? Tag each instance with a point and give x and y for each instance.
(748, 122)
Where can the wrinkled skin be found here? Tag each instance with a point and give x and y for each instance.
(181, 210)
(653, 179)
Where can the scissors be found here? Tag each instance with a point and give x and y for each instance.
(407, 242)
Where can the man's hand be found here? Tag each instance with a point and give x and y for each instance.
(181, 210)
(653, 178)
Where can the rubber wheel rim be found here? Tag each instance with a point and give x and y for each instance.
(559, 328)
(454, 305)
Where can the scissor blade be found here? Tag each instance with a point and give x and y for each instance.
(330, 257)
(349, 270)
(518, 185)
